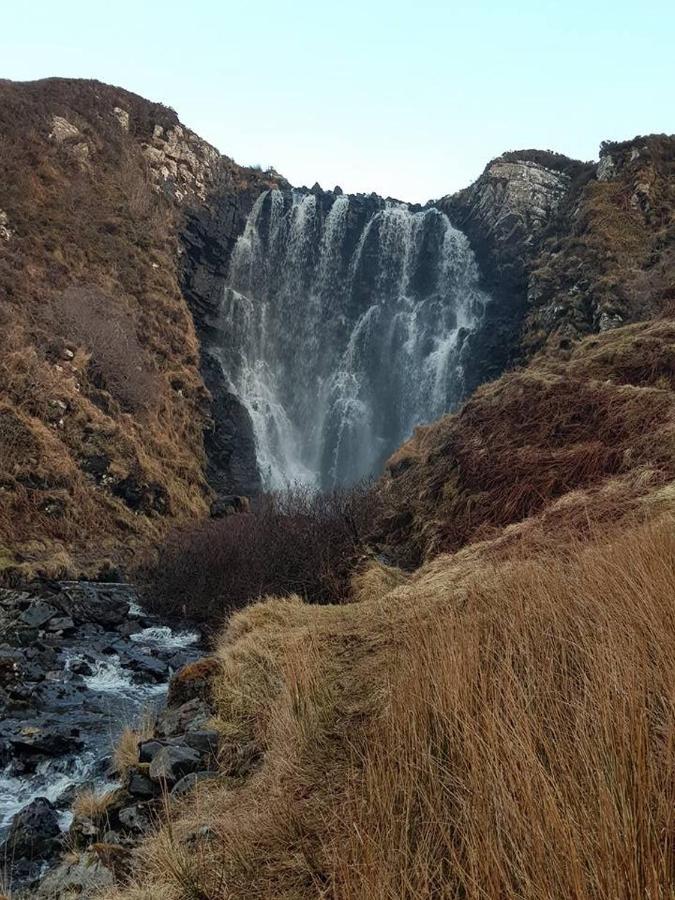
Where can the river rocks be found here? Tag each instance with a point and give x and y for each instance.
(172, 762)
(34, 833)
(138, 818)
(141, 785)
(191, 716)
(37, 615)
(84, 876)
(77, 662)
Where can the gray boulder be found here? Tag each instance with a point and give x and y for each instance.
(173, 762)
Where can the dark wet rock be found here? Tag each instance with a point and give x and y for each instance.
(102, 604)
(148, 666)
(61, 623)
(48, 741)
(140, 785)
(139, 817)
(34, 832)
(171, 763)
(147, 750)
(38, 614)
(188, 782)
(126, 629)
(190, 716)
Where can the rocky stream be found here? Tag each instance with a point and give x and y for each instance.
(79, 663)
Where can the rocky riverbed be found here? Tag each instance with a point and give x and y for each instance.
(79, 662)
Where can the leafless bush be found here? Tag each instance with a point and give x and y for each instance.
(295, 542)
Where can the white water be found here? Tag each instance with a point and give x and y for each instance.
(344, 321)
(117, 697)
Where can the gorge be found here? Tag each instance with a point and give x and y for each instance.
(344, 321)
(486, 624)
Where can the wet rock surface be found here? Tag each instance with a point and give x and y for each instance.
(78, 663)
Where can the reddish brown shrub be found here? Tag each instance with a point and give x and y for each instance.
(295, 542)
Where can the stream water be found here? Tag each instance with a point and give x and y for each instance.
(76, 690)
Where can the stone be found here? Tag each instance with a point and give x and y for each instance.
(62, 129)
(147, 750)
(83, 877)
(188, 782)
(61, 623)
(141, 786)
(48, 741)
(38, 614)
(138, 817)
(122, 117)
(191, 716)
(34, 832)
(5, 232)
(173, 762)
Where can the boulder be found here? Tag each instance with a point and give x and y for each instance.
(141, 786)
(147, 750)
(190, 716)
(188, 782)
(138, 818)
(173, 762)
(85, 876)
(38, 614)
(34, 832)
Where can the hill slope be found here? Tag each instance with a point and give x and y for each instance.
(497, 723)
(102, 402)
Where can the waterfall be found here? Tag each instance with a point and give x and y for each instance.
(344, 319)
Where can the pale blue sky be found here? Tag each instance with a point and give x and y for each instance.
(407, 99)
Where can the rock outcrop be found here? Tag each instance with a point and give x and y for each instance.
(569, 248)
(503, 214)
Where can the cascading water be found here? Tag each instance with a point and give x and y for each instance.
(344, 320)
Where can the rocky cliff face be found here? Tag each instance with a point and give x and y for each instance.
(208, 235)
(606, 257)
(569, 248)
(504, 214)
(117, 225)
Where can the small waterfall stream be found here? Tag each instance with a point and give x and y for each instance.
(344, 321)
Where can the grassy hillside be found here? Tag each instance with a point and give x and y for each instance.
(499, 722)
(101, 401)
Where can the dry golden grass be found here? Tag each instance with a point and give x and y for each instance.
(483, 729)
(125, 753)
(90, 804)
